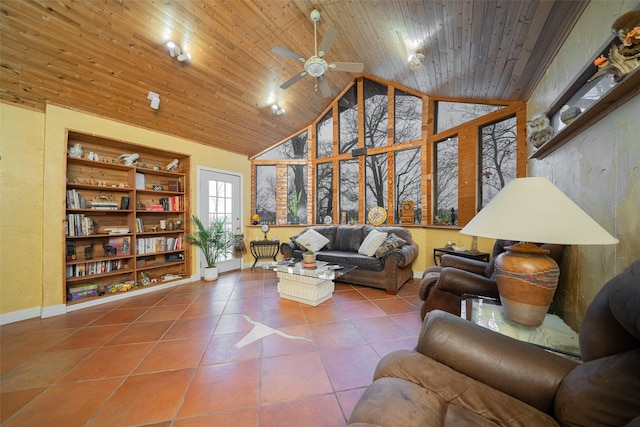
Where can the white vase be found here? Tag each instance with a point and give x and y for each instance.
(210, 274)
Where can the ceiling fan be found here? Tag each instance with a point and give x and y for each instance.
(316, 66)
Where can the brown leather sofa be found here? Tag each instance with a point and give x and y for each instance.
(464, 375)
(442, 287)
(388, 272)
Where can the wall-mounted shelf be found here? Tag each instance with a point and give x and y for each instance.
(623, 91)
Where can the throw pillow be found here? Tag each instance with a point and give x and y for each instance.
(372, 242)
(391, 242)
(294, 239)
(311, 240)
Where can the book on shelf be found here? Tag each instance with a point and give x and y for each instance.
(140, 184)
(139, 225)
(75, 200)
(79, 225)
(104, 205)
(117, 230)
(155, 207)
(122, 245)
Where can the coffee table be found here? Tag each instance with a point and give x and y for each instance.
(307, 286)
(553, 335)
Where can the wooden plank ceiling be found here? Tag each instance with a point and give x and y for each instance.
(104, 56)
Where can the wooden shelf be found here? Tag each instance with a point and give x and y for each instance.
(623, 91)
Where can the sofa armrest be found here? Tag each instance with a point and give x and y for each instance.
(516, 368)
(287, 248)
(461, 282)
(467, 264)
(404, 255)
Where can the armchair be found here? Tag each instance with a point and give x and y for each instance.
(463, 374)
(442, 287)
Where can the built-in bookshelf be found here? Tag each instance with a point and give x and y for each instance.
(125, 211)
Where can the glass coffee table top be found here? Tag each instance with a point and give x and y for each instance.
(323, 270)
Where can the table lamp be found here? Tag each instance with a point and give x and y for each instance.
(532, 210)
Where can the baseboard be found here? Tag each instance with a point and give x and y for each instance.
(54, 310)
(17, 316)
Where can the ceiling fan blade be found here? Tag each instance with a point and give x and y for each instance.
(352, 67)
(292, 80)
(282, 51)
(323, 86)
(328, 39)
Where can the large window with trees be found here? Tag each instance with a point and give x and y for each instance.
(448, 157)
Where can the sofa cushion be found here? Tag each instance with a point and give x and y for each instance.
(372, 242)
(348, 238)
(363, 262)
(311, 240)
(391, 242)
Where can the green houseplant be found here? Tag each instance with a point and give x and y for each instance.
(214, 241)
(294, 207)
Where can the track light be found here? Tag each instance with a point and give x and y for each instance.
(277, 110)
(176, 52)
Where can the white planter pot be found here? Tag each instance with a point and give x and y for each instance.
(210, 274)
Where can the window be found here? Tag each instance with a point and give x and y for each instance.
(408, 117)
(498, 147)
(297, 194)
(408, 185)
(266, 193)
(324, 136)
(376, 182)
(324, 191)
(446, 181)
(452, 114)
(294, 148)
(349, 190)
(376, 114)
(348, 120)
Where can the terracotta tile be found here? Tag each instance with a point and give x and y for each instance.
(177, 299)
(385, 347)
(277, 345)
(74, 319)
(232, 323)
(348, 296)
(222, 349)
(276, 303)
(380, 329)
(165, 312)
(350, 367)
(216, 294)
(320, 411)
(144, 399)
(42, 370)
(323, 314)
(175, 354)
(109, 362)
(361, 309)
(292, 377)
(21, 349)
(52, 408)
(243, 306)
(236, 417)
(373, 293)
(146, 300)
(348, 400)
(90, 337)
(203, 309)
(141, 332)
(12, 402)
(283, 317)
(190, 328)
(222, 387)
(254, 291)
(125, 315)
(395, 306)
(411, 322)
(335, 335)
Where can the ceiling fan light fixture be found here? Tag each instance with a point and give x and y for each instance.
(315, 66)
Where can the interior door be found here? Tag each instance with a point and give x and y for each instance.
(219, 195)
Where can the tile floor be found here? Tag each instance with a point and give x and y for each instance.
(169, 358)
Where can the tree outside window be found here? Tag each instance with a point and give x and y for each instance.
(324, 191)
(499, 148)
(266, 193)
(446, 181)
(408, 182)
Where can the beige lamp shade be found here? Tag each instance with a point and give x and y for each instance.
(534, 210)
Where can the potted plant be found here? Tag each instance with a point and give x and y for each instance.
(214, 241)
(309, 257)
(294, 207)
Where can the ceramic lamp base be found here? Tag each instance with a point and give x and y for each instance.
(527, 279)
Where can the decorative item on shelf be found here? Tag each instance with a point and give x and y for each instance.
(377, 215)
(124, 203)
(179, 224)
(93, 156)
(568, 114)
(157, 187)
(309, 257)
(407, 208)
(129, 159)
(109, 250)
(88, 251)
(76, 151)
(255, 219)
(343, 217)
(625, 57)
(174, 185)
(539, 130)
(214, 241)
(265, 230)
(144, 279)
(532, 210)
(327, 219)
(171, 225)
(173, 166)
(449, 245)
(163, 225)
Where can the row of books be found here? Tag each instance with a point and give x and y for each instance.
(75, 200)
(96, 267)
(79, 225)
(171, 204)
(158, 244)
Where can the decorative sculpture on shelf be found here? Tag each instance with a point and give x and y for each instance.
(539, 130)
(76, 151)
(623, 58)
(173, 166)
(129, 159)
